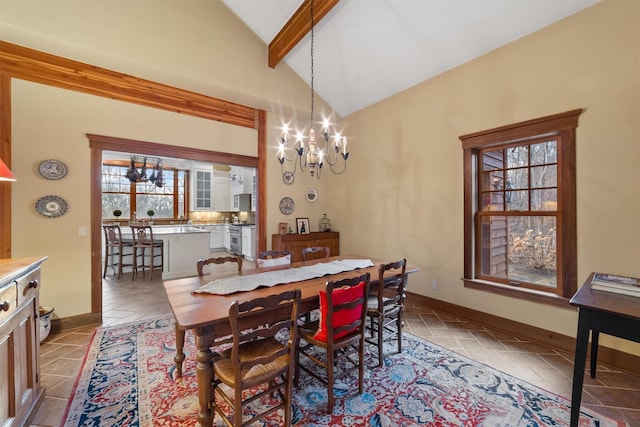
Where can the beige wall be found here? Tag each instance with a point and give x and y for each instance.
(402, 193)
(590, 60)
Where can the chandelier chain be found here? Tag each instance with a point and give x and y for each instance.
(312, 73)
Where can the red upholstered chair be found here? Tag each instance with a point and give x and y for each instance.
(337, 335)
(315, 253)
(257, 357)
(385, 307)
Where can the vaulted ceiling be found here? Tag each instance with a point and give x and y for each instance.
(368, 50)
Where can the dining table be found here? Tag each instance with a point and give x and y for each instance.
(207, 314)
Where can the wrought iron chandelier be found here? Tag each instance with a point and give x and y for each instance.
(312, 156)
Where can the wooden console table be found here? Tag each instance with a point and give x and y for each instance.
(600, 311)
(296, 242)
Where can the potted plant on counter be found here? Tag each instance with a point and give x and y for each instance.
(151, 213)
(117, 213)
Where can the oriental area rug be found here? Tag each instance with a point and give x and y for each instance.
(128, 380)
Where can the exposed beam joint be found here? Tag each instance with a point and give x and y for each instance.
(296, 28)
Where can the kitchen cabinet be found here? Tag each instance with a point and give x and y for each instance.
(226, 238)
(20, 389)
(215, 235)
(296, 242)
(217, 232)
(242, 189)
(221, 191)
(249, 242)
(202, 188)
(241, 203)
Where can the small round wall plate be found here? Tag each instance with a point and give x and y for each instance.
(52, 169)
(288, 177)
(287, 205)
(51, 206)
(312, 195)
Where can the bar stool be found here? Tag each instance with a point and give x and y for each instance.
(114, 247)
(143, 240)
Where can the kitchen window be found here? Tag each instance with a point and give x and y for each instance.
(118, 192)
(520, 209)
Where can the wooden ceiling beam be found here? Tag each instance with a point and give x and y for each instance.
(296, 28)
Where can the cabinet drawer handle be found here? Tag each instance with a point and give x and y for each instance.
(5, 306)
(32, 285)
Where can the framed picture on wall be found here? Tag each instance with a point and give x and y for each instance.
(303, 225)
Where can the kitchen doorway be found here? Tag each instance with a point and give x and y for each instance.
(100, 144)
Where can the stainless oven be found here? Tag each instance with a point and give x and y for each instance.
(235, 239)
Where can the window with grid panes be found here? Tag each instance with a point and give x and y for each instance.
(520, 218)
(118, 192)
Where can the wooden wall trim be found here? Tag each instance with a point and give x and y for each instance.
(606, 355)
(28, 64)
(5, 155)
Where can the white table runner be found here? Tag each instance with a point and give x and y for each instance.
(230, 285)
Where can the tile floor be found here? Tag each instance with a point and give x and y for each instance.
(612, 393)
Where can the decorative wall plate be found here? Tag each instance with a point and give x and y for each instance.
(287, 205)
(312, 195)
(51, 206)
(52, 169)
(288, 177)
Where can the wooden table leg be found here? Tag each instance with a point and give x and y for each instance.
(179, 358)
(582, 339)
(204, 374)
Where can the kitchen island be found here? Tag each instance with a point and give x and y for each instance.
(183, 246)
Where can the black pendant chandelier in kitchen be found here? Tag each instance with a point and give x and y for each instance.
(313, 155)
(138, 170)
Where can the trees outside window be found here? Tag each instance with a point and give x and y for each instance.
(520, 208)
(118, 192)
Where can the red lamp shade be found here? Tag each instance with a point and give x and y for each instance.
(5, 173)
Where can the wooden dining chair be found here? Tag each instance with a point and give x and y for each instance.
(385, 306)
(338, 333)
(218, 260)
(273, 258)
(142, 241)
(115, 248)
(257, 357)
(315, 252)
(180, 333)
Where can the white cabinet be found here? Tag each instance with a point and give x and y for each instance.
(217, 233)
(241, 203)
(221, 191)
(248, 242)
(226, 238)
(242, 183)
(202, 188)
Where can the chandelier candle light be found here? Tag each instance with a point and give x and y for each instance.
(313, 156)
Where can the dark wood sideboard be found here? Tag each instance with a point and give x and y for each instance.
(296, 242)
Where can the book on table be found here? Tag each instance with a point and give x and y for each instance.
(616, 284)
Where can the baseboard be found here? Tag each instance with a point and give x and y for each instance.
(621, 360)
(73, 322)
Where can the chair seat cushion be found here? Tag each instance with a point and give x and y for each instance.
(342, 317)
(252, 350)
(272, 262)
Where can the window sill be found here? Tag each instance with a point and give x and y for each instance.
(520, 293)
